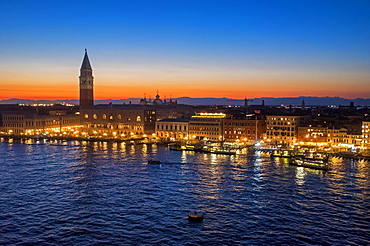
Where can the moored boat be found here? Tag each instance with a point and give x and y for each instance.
(223, 152)
(309, 164)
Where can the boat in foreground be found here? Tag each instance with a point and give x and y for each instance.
(195, 216)
(308, 163)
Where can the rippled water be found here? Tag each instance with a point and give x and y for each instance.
(79, 193)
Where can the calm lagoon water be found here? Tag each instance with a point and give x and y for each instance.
(81, 193)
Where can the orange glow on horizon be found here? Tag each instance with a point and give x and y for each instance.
(216, 88)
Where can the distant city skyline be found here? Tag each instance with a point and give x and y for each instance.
(233, 49)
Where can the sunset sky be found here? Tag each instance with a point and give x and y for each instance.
(233, 48)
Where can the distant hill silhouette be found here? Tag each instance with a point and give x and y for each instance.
(309, 101)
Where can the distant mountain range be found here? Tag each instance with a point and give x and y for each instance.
(313, 101)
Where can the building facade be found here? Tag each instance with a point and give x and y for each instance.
(207, 126)
(282, 129)
(366, 136)
(34, 120)
(244, 130)
(118, 121)
(313, 135)
(172, 129)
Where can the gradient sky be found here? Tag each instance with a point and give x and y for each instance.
(232, 48)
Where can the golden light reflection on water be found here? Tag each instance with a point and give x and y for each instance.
(356, 172)
(300, 175)
(144, 151)
(183, 157)
(96, 145)
(362, 173)
(114, 146)
(213, 158)
(132, 149)
(121, 146)
(103, 145)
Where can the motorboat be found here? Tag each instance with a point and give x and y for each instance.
(150, 161)
(195, 216)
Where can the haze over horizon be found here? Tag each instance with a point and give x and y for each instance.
(268, 101)
(232, 49)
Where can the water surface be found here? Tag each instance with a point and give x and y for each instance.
(80, 193)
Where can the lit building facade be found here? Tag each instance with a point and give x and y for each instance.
(51, 120)
(172, 129)
(118, 121)
(282, 130)
(366, 135)
(313, 135)
(337, 136)
(325, 136)
(207, 126)
(244, 130)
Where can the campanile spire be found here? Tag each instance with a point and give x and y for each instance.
(86, 83)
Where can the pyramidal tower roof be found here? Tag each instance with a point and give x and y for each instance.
(86, 63)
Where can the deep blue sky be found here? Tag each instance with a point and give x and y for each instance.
(188, 48)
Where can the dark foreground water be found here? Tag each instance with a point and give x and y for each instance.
(78, 193)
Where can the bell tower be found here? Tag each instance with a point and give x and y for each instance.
(86, 83)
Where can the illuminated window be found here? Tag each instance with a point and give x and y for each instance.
(138, 118)
(104, 117)
(95, 116)
(119, 117)
(111, 117)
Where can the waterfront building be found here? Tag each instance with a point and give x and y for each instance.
(337, 136)
(118, 121)
(172, 129)
(354, 140)
(323, 135)
(366, 136)
(313, 135)
(247, 130)
(33, 120)
(207, 126)
(282, 129)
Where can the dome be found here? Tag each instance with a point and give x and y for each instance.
(157, 101)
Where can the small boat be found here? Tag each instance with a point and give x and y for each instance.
(150, 161)
(195, 216)
(308, 163)
(223, 152)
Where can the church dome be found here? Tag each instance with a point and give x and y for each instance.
(157, 101)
